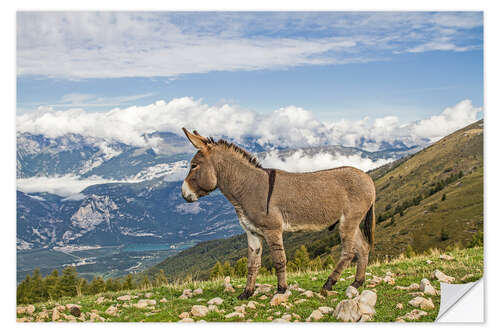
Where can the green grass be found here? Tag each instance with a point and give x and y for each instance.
(468, 263)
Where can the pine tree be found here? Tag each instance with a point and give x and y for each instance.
(301, 258)
(291, 267)
(51, 283)
(129, 283)
(38, 292)
(98, 285)
(111, 285)
(68, 281)
(409, 251)
(240, 268)
(227, 269)
(23, 292)
(145, 284)
(160, 278)
(316, 264)
(216, 271)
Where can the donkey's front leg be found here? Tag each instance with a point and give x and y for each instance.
(274, 240)
(254, 257)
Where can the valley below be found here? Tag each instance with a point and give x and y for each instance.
(91, 261)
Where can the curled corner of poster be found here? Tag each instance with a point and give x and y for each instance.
(462, 303)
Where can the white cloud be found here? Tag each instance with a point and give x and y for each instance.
(151, 44)
(300, 162)
(289, 126)
(451, 119)
(64, 186)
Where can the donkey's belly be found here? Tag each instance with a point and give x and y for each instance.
(316, 223)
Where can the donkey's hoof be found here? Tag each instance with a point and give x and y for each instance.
(245, 294)
(357, 284)
(328, 285)
(281, 290)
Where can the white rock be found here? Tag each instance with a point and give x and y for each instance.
(186, 320)
(143, 303)
(30, 309)
(287, 317)
(184, 315)
(216, 301)
(315, 315)
(55, 315)
(148, 295)
(198, 291)
(111, 311)
(413, 315)
(360, 308)
(278, 299)
(399, 306)
(240, 308)
(234, 314)
(308, 293)
(427, 288)
(124, 298)
(441, 277)
(428, 262)
(199, 310)
(326, 309)
(348, 310)
(421, 302)
(368, 297)
(280, 320)
(389, 280)
(446, 257)
(351, 292)
(252, 305)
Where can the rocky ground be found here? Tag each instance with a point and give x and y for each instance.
(401, 290)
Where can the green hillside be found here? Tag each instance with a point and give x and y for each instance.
(432, 199)
(164, 304)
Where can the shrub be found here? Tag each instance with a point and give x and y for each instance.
(409, 253)
(444, 235)
(477, 239)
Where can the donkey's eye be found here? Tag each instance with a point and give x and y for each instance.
(193, 166)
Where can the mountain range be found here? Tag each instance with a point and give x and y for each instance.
(76, 192)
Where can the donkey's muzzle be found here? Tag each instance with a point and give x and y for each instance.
(188, 194)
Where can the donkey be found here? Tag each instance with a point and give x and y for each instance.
(269, 202)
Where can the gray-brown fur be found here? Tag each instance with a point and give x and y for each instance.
(309, 201)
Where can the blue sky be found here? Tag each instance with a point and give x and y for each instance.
(337, 65)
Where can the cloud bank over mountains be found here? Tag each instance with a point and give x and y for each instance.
(300, 162)
(289, 126)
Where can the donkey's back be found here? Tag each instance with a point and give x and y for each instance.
(316, 200)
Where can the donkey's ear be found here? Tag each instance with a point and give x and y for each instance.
(197, 140)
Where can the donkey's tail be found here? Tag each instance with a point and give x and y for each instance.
(369, 225)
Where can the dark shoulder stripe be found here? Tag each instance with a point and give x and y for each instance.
(272, 177)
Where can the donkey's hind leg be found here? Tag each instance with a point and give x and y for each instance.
(362, 250)
(348, 252)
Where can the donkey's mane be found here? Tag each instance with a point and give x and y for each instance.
(231, 146)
